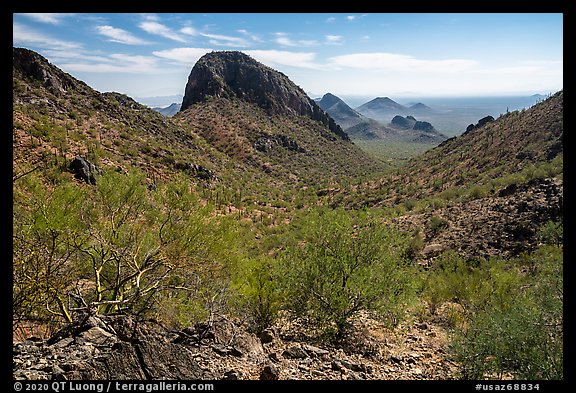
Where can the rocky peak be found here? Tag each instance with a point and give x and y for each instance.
(33, 66)
(329, 100)
(235, 75)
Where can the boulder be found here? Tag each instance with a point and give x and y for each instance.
(84, 170)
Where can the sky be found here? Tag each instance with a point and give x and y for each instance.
(376, 54)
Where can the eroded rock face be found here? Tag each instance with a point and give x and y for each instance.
(235, 75)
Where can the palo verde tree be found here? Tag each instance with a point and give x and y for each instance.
(46, 232)
(114, 246)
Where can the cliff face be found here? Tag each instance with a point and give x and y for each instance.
(236, 75)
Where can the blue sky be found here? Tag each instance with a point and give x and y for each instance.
(395, 55)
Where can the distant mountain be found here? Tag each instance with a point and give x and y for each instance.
(170, 110)
(371, 129)
(159, 101)
(419, 107)
(358, 126)
(403, 122)
(340, 111)
(381, 108)
(413, 130)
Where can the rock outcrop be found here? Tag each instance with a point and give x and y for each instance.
(403, 122)
(482, 122)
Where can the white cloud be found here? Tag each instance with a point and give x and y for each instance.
(153, 27)
(393, 61)
(119, 35)
(23, 35)
(284, 40)
(224, 40)
(53, 19)
(333, 39)
(151, 17)
(351, 17)
(118, 63)
(189, 30)
(66, 56)
(250, 35)
(187, 56)
(331, 20)
(292, 59)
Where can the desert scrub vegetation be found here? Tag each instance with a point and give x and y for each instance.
(505, 316)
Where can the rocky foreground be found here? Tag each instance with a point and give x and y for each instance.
(119, 347)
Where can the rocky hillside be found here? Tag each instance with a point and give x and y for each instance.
(57, 117)
(493, 153)
(484, 193)
(228, 142)
(506, 224)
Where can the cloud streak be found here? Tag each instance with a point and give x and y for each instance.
(334, 39)
(53, 19)
(117, 63)
(273, 57)
(120, 36)
(24, 35)
(225, 40)
(187, 56)
(153, 27)
(284, 40)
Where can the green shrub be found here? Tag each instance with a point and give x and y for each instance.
(477, 192)
(128, 242)
(342, 264)
(519, 329)
(474, 285)
(551, 233)
(436, 225)
(258, 292)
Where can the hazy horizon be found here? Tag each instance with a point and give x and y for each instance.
(355, 101)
